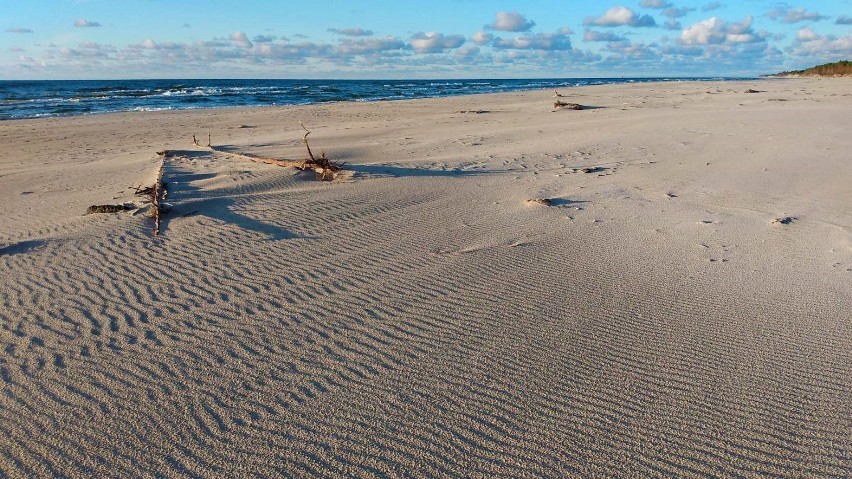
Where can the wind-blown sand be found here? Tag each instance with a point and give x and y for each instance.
(420, 318)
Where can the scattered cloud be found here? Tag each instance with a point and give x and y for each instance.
(186, 25)
(511, 22)
(618, 16)
(241, 39)
(786, 14)
(83, 23)
(712, 46)
(352, 32)
(369, 46)
(811, 45)
(290, 52)
(538, 41)
(676, 12)
(672, 24)
(434, 42)
(715, 31)
(467, 52)
(482, 38)
(806, 35)
(655, 4)
(595, 36)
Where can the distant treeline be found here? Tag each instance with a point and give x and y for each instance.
(841, 68)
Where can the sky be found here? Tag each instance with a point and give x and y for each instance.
(113, 39)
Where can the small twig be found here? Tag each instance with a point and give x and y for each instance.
(305, 138)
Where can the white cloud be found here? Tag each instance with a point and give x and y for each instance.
(482, 38)
(18, 30)
(352, 32)
(241, 40)
(289, 52)
(672, 24)
(150, 44)
(843, 20)
(806, 34)
(83, 23)
(676, 12)
(785, 14)
(715, 31)
(538, 41)
(511, 22)
(467, 52)
(369, 46)
(711, 6)
(655, 4)
(434, 42)
(618, 16)
(595, 36)
(811, 45)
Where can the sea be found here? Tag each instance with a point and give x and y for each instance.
(50, 98)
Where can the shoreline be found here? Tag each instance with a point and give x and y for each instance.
(245, 84)
(676, 303)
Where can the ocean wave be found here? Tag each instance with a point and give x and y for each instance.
(41, 99)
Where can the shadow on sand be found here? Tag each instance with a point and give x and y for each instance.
(22, 247)
(399, 171)
(216, 204)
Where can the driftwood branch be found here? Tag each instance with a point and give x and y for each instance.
(324, 168)
(567, 106)
(159, 193)
(156, 194)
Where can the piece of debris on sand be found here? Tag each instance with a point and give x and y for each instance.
(567, 106)
(540, 201)
(105, 209)
(786, 220)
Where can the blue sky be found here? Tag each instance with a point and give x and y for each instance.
(57, 39)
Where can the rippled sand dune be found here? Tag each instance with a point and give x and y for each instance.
(417, 317)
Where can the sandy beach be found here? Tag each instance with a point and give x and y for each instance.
(681, 306)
